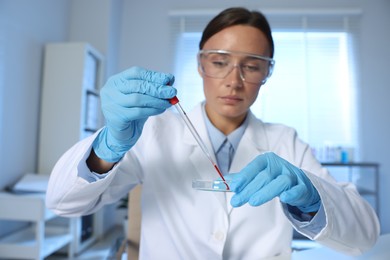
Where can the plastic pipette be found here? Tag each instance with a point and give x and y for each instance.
(175, 102)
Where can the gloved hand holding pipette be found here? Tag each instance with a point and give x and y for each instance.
(269, 176)
(128, 99)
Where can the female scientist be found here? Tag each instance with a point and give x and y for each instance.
(277, 183)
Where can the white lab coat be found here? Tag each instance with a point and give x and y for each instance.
(179, 222)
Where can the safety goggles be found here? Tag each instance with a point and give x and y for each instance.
(218, 64)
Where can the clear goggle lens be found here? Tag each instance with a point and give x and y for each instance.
(254, 69)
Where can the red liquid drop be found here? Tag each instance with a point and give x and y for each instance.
(221, 175)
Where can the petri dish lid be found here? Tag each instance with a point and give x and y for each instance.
(211, 185)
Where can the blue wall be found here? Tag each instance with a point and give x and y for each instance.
(24, 28)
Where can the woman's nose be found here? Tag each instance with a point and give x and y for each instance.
(235, 77)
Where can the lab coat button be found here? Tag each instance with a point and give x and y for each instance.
(219, 236)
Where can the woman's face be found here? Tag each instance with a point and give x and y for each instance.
(228, 99)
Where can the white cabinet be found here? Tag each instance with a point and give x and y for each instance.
(70, 111)
(70, 104)
(39, 238)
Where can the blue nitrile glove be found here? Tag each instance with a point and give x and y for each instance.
(268, 176)
(128, 99)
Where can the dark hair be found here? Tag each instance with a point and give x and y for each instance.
(237, 16)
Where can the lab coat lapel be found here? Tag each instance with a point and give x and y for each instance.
(205, 170)
(253, 143)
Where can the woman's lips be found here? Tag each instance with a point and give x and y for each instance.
(231, 99)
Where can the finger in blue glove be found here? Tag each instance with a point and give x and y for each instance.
(269, 176)
(127, 100)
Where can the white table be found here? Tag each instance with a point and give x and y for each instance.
(381, 251)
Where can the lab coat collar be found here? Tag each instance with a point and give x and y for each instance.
(252, 143)
(254, 136)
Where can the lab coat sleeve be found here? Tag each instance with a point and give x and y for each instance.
(351, 225)
(71, 193)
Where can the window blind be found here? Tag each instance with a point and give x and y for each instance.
(323, 82)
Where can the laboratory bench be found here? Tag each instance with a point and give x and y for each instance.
(380, 251)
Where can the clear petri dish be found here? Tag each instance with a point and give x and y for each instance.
(211, 185)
